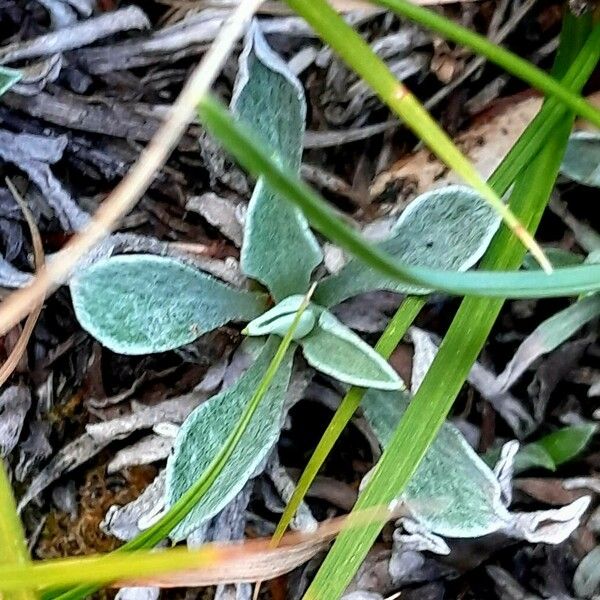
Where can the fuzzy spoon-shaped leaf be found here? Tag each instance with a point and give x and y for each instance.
(336, 350)
(139, 303)
(450, 472)
(582, 158)
(449, 228)
(279, 249)
(207, 429)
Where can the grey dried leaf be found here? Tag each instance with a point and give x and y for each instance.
(149, 449)
(80, 34)
(15, 402)
(547, 337)
(303, 519)
(68, 458)
(11, 277)
(221, 212)
(38, 75)
(125, 522)
(237, 591)
(34, 449)
(33, 154)
(138, 593)
(61, 13)
(549, 526)
(174, 410)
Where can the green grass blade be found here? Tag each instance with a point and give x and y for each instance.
(96, 571)
(533, 138)
(332, 28)
(460, 347)
(391, 337)
(510, 62)
(241, 144)
(161, 529)
(521, 153)
(13, 549)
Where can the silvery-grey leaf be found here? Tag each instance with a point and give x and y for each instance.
(279, 249)
(581, 162)
(451, 473)
(546, 337)
(140, 304)
(15, 402)
(586, 581)
(79, 34)
(449, 228)
(337, 351)
(206, 430)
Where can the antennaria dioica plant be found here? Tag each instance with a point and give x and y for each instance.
(140, 304)
(168, 324)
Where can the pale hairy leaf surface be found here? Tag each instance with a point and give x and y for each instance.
(336, 350)
(207, 429)
(279, 250)
(140, 303)
(448, 228)
(8, 77)
(451, 472)
(581, 162)
(278, 319)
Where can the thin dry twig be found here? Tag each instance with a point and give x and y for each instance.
(14, 357)
(131, 188)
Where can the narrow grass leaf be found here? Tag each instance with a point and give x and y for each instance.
(334, 30)
(448, 229)
(139, 303)
(462, 344)
(390, 338)
(13, 546)
(336, 350)
(279, 249)
(510, 62)
(451, 471)
(241, 144)
(206, 431)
